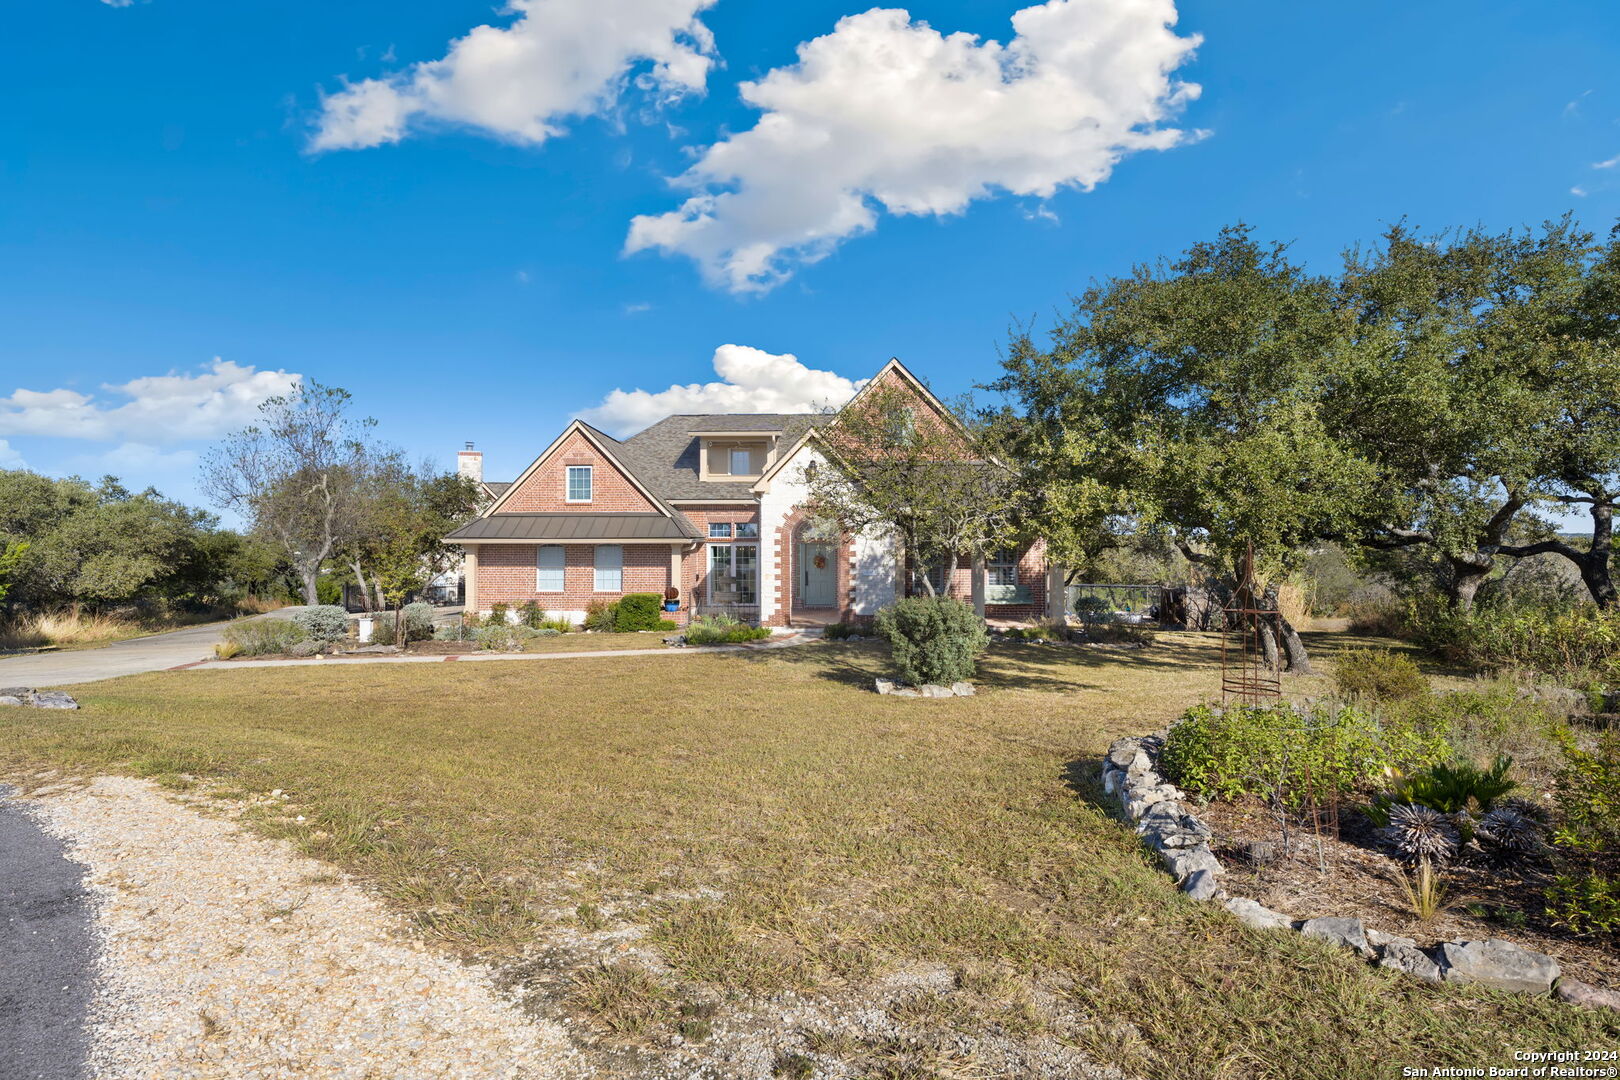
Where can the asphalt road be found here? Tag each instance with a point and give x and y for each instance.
(132, 657)
(47, 950)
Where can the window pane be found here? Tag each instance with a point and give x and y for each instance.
(549, 568)
(745, 562)
(747, 528)
(719, 530)
(579, 483)
(742, 463)
(1003, 568)
(719, 461)
(609, 568)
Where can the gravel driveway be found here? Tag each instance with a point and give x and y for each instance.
(225, 956)
(46, 952)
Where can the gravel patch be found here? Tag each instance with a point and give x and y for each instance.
(226, 955)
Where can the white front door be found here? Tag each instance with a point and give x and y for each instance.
(818, 574)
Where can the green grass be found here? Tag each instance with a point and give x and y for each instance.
(774, 824)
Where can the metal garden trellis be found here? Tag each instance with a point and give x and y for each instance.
(1246, 675)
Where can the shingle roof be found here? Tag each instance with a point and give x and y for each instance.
(598, 526)
(497, 488)
(665, 456)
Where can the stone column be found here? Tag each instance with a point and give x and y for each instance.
(470, 569)
(1056, 608)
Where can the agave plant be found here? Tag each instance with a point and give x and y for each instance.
(1510, 835)
(1421, 833)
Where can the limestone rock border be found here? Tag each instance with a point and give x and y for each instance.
(28, 697)
(1161, 816)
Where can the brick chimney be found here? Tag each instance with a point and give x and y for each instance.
(470, 463)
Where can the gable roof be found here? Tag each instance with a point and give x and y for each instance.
(665, 455)
(605, 444)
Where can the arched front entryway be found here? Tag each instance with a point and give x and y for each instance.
(816, 563)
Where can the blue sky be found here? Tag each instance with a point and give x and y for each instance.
(183, 181)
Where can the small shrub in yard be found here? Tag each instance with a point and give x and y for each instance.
(601, 617)
(837, 631)
(496, 616)
(261, 637)
(1378, 675)
(933, 639)
(531, 614)
(327, 622)
(722, 630)
(1585, 903)
(556, 626)
(502, 638)
(418, 621)
(382, 631)
(1567, 643)
(638, 611)
(304, 648)
(1291, 755)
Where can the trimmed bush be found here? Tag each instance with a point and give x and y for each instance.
(260, 637)
(324, 623)
(418, 621)
(932, 639)
(638, 611)
(1280, 752)
(1378, 675)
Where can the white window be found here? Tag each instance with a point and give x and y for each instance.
(548, 574)
(719, 530)
(1002, 567)
(733, 573)
(579, 483)
(609, 568)
(742, 462)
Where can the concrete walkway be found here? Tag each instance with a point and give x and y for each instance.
(783, 642)
(133, 657)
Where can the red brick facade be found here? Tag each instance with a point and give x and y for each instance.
(507, 575)
(544, 490)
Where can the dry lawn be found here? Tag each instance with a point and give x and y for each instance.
(766, 823)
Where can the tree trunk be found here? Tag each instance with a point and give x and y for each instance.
(365, 589)
(1596, 566)
(311, 574)
(1282, 641)
(1468, 573)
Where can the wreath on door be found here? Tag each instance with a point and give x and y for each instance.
(820, 562)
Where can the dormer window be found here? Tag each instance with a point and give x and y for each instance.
(579, 484)
(731, 459)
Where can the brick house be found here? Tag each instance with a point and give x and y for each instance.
(714, 507)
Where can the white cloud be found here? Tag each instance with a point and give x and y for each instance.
(887, 114)
(751, 380)
(119, 3)
(10, 458)
(135, 459)
(160, 408)
(1608, 164)
(1578, 191)
(558, 59)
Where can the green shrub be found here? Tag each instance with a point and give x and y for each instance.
(1039, 632)
(546, 631)
(1378, 675)
(1584, 903)
(324, 623)
(722, 630)
(259, 637)
(932, 639)
(497, 615)
(382, 630)
(1454, 788)
(502, 638)
(601, 617)
(328, 591)
(556, 626)
(1587, 793)
(531, 614)
(1566, 643)
(418, 621)
(638, 611)
(306, 647)
(838, 631)
(1283, 753)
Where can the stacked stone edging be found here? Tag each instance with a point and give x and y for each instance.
(1160, 813)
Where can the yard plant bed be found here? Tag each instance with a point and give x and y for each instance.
(693, 849)
(1350, 875)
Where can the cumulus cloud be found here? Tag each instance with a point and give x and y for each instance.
(159, 408)
(751, 380)
(558, 59)
(10, 458)
(887, 114)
